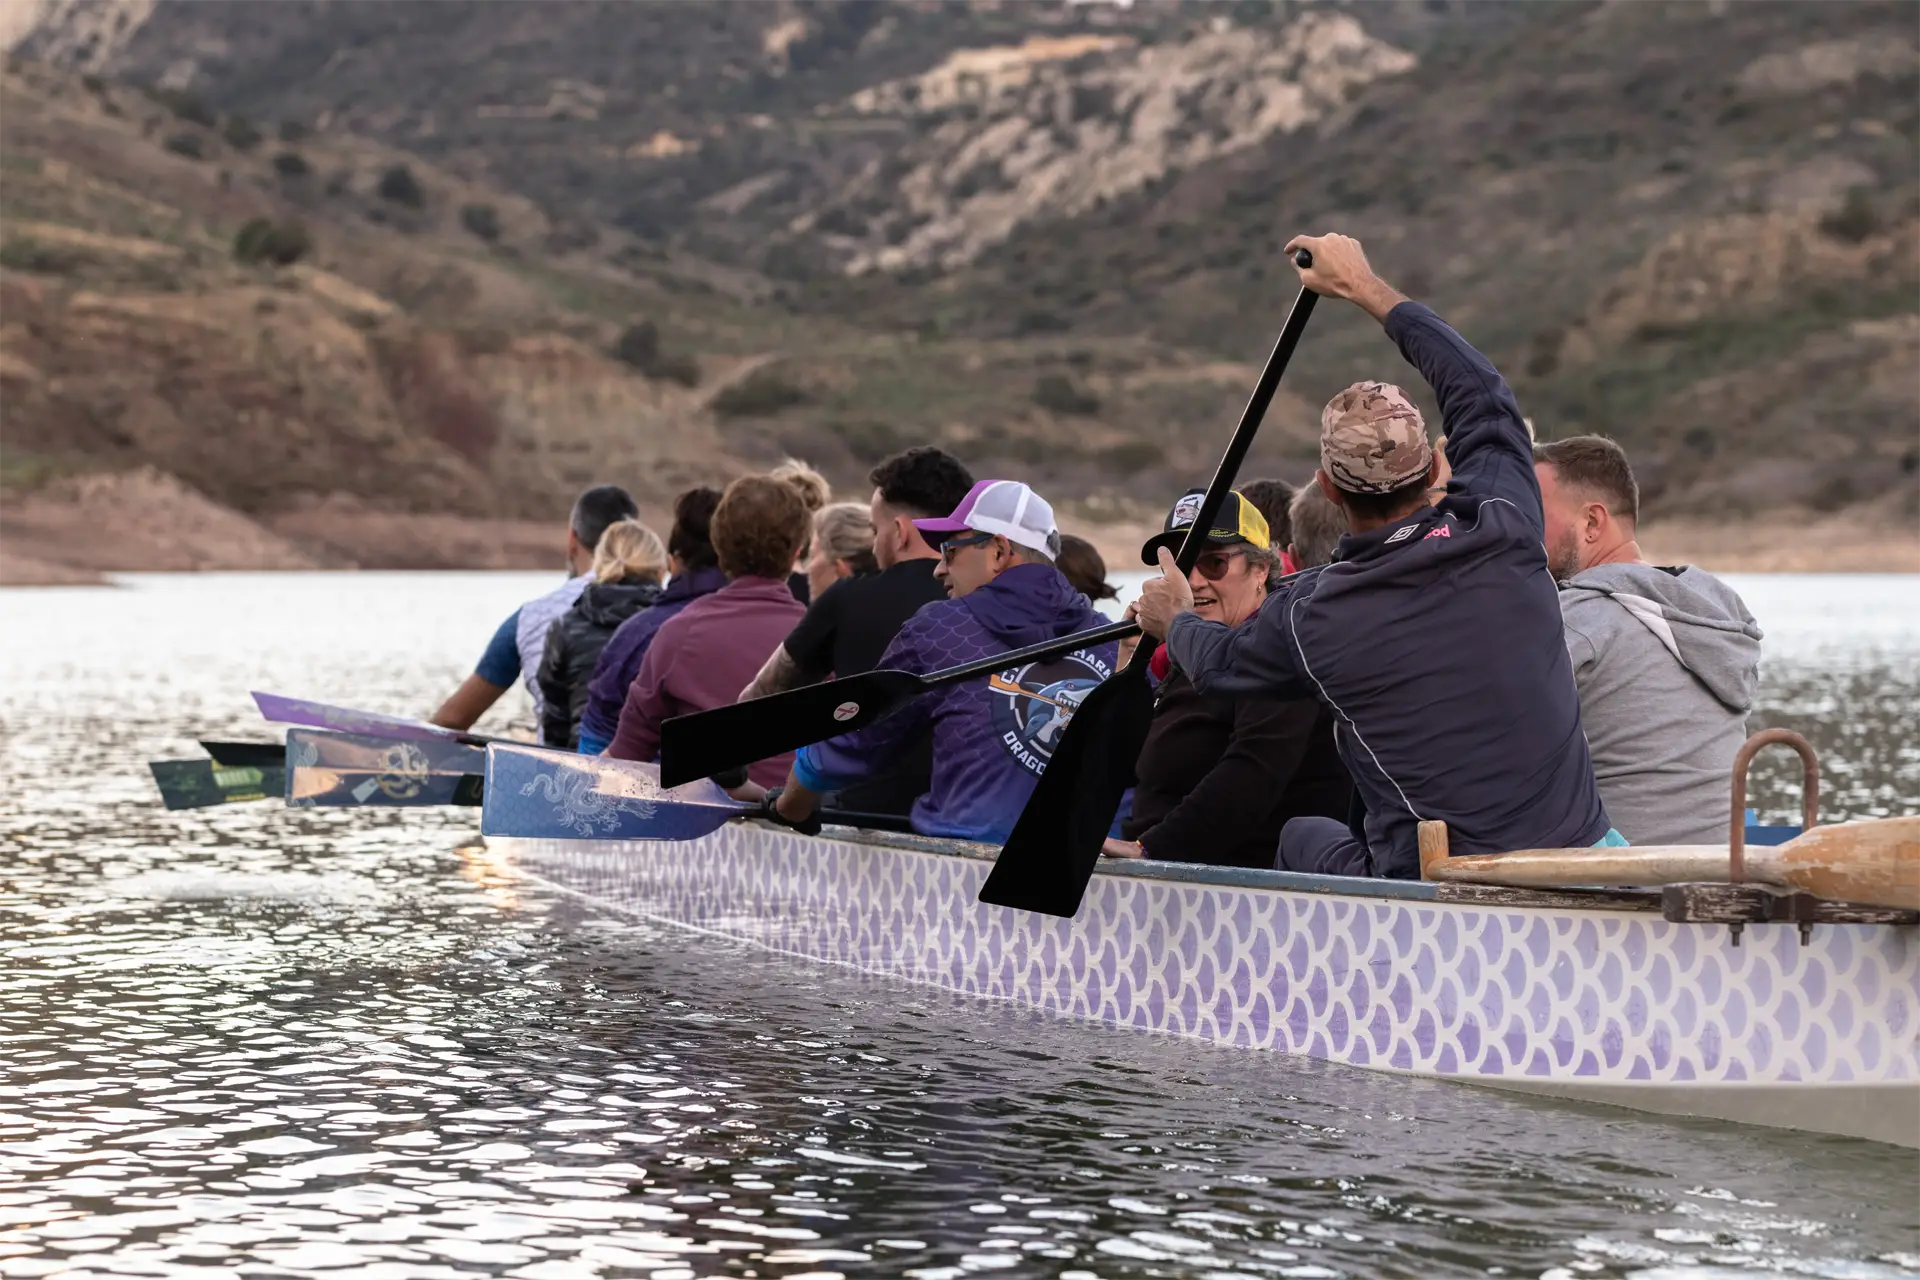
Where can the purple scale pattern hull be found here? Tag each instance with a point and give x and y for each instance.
(1524, 996)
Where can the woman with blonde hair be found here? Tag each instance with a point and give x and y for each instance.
(842, 545)
(629, 564)
(815, 493)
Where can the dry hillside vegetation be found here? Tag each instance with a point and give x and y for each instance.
(657, 242)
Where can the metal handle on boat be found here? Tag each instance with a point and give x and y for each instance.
(1809, 793)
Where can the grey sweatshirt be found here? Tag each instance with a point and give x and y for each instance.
(1667, 662)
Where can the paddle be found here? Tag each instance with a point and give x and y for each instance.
(542, 794)
(1876, 861)
(709, 742)
(246, 755)
(327, 769)
(539, 794)
(320, 715)
(199, 784)
(1055, 844)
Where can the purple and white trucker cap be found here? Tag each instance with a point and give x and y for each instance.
(1003, 507)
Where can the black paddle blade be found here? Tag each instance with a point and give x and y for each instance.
(1056, 843)
(709, 742)
(198, 784)
(246, 755)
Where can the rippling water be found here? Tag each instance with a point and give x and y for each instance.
(258, 1041)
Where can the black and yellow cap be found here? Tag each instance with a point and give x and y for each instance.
(1238, 521)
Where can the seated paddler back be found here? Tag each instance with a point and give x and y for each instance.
(1435, 637)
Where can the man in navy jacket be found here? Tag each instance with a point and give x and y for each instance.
(1435, 635)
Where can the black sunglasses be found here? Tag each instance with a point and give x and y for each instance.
(960, 542)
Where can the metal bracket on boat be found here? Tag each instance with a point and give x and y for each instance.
(1738, 905)
(1737, 818)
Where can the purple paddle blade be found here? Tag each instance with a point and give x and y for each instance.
(540, 794)
(320, 715)
(330, 770)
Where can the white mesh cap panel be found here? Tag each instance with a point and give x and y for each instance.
(1018, 514)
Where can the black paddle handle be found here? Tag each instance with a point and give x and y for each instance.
(1250, 418)
(1033, 653)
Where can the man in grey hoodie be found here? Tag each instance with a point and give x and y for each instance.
(1667, 660)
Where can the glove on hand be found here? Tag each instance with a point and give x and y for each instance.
(807, 826)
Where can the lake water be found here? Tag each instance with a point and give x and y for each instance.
(255, 1041)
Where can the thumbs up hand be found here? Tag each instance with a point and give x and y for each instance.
(1162, 599)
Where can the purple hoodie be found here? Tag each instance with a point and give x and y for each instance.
(620, 661)
(991, 738)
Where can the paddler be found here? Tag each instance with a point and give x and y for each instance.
(849, 625)
(1218, 778)
(1667, 659)
(520, 641)
(1435, 636)
(991, 739)
(703, 655)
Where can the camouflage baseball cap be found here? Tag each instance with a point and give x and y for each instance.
(1373, 439)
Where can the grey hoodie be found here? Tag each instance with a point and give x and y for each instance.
(1667, 662)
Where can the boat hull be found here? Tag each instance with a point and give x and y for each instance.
(1616, 1006)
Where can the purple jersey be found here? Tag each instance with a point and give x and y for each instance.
(991, 738)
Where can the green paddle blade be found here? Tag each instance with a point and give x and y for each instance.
(199, 784)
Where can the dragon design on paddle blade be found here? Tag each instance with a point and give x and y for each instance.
(578, 807)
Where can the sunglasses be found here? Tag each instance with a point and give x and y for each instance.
(1213, 565)
(950, 545)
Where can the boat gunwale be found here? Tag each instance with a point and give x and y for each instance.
(1598, 899)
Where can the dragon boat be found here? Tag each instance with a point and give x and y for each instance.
(1730, 1002)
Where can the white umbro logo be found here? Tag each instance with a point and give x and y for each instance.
(1400, 535)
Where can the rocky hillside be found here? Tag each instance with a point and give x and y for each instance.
(1043, 234)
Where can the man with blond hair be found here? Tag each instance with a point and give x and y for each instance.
(1435, 637)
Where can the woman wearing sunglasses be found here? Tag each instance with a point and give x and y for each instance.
(1218, 777)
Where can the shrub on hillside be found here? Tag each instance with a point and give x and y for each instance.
(240, 133)
(1058, 393)
(190, 145)
(763, 392)
(292, 131)
(481, 220)
(187, 106)
(639, 346)
(291, 164)
(400, 186)
(264, 240)
(1856, 218)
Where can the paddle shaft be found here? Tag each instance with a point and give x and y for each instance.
(1055, 844)
(999, 662)
(1229, 469)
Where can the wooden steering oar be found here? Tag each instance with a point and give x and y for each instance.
(1876, 862)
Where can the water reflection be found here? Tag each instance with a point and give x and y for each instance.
(315, 1042)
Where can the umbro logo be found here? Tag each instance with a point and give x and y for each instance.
(1400, 535)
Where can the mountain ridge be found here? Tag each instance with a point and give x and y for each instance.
(1694, 227)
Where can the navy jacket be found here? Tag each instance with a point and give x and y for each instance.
(1436, 642)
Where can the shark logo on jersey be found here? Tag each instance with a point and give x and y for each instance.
(1032, 705)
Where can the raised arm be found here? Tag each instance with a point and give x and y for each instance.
(1488, 443)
